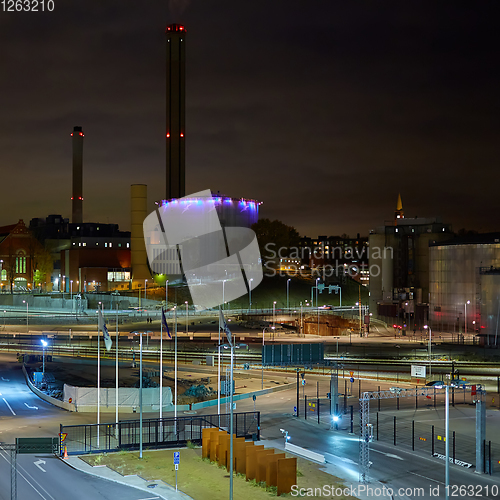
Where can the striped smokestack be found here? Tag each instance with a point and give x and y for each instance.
(77, 196)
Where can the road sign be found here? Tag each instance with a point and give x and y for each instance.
(37, 445)
(351, 379)
(176, 466)
(254, 397)
(351, 374)
(295, 409)
(304, 382)
(177, 458)
(64, 435)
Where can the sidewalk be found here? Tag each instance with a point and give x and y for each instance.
(161, 489)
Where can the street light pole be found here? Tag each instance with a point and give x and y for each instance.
(140, 396)
(44, 344)
(274, 315)
(430, 349)
(250, 293)
(27, 316)
(263, 330)
(175, 371)
(465, 317)
(300, 326)
(288, 293)
(187, 316)
(447, 444)
(317, 307)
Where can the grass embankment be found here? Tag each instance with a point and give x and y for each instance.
(205, 480)
(274, 289)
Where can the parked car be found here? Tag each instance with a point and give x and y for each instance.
(438, 384)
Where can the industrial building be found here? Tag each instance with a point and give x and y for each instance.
(399, 266)
(464, 283)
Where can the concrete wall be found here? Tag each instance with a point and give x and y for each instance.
(45, 397)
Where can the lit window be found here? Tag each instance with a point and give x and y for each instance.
(85, 244)
(106, 245)
(110, 245)
(128, 245)
(397, 230)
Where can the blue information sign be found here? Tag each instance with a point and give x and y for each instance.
(177, 457)
(352, 379)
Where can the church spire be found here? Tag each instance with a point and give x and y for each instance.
(399, 214)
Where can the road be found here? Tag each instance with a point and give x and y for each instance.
(45, 477)
(23, 414)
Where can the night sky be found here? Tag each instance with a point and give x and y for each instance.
(323, 110)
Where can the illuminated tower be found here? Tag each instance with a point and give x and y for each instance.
(399, 214)
(176, 111)
(77, 196)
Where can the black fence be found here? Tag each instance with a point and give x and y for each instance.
(430, 439)
(156, 433)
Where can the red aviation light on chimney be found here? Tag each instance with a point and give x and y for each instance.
(71, 134)
(182, 135)
(168, 134)
(176, 27)
(81, 133)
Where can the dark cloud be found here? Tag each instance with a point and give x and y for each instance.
(324, 110)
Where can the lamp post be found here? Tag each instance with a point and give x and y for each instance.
(63, 282)
(263, 330)
(288, 293)
(140, 389)
(300, 326)
(429, 349)
(44, 345)
(465, 317)
(71, 289)
(27, 316)
(231, 346)
(274, 315)
(145, 291)
(447, 444)
(4, 319)
(187, 316)
(317, 306)
(223, 286)
(250, 293)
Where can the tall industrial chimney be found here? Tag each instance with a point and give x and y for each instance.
(139, 258)
(176, 111)
(77, 197)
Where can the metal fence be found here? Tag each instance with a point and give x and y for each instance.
(156, 433)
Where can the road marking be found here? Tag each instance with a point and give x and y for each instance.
(347, 460)
(425, 477)
(5, 379)
(31, 407)
(39, 463)
(24, 477)
(13, 413)
(390, 455)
